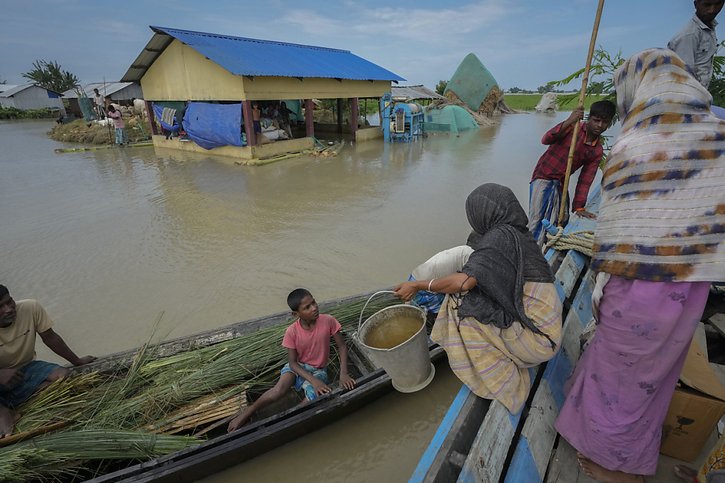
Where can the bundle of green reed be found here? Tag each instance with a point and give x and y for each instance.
(105, 411)
(55, 455)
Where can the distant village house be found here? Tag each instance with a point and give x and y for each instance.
(30, 96)
(122, 93)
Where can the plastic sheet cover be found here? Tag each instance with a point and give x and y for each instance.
(214, 125)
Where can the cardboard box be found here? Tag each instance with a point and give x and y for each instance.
(696, 407)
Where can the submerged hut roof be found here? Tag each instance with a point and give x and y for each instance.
(255, 57)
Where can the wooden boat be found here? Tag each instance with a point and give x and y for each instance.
(223, 451)
(263, 435)
(480, 441)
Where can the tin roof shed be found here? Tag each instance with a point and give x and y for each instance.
(254, 57)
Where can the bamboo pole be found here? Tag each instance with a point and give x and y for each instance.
(582, 94)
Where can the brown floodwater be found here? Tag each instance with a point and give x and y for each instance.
(110, 240)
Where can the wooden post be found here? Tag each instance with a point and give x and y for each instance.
(309, 119)
(150, 115)
(339, 115)
(354, 108)
(582, 95)
(249, 123)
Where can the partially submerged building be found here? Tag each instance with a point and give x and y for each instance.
(122, 93)
(216, 80)
(30, 96)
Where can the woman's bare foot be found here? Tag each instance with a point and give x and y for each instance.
(685, 473)
(8, 418)
(599, 473)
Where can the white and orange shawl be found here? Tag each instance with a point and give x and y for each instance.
(662, 215)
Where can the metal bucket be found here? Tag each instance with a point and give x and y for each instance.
(408, 363)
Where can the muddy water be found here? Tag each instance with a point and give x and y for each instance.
(111, 240)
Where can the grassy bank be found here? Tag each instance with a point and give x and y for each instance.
(93, 133)
(527, 102)
(14, 113)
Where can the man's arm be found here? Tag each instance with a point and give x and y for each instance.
(345, 380)
(56, 343)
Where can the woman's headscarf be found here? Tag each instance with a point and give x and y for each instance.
(662, 215)
(505, 255)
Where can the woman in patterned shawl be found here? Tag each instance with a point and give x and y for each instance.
(502, 313)
(657, 247)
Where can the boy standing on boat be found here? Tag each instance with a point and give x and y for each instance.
(545, 189)
(696, 43)
(20, 374)
(307, 342)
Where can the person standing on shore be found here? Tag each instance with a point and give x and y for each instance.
(118, 124)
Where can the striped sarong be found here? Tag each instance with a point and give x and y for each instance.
(168, 115)
(544, 202)
(494, 362)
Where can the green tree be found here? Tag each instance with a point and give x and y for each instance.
(603, 66)
(545, 88)
(51, 76)
(515, 90)
(717, 83)
(441, 86)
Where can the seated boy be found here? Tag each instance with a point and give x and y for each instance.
(545, 189)
(307, 342)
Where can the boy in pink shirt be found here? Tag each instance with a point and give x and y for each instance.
(307, 342)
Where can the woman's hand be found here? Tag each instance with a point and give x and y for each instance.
(406, 291)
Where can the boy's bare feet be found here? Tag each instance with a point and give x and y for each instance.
(599, 473)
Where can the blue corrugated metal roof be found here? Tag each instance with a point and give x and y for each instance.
(254, 57)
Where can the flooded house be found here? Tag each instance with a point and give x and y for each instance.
(30, 96)
(250, 98)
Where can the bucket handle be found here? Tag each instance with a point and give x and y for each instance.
(359, 322)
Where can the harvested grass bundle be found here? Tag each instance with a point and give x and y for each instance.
(61, 454)
(182, 392)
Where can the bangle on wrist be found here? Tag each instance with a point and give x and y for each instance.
(430, 283)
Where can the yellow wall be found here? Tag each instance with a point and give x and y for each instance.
(182, 73)
(243, 155)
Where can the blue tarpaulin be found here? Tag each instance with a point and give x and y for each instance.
(214, 125)
(166, 121)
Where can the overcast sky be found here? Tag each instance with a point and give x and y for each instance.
(524, 43)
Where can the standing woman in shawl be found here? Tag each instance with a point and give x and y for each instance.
(502, 313)
(657, 247)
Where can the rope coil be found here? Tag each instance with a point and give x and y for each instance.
(581, 241)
